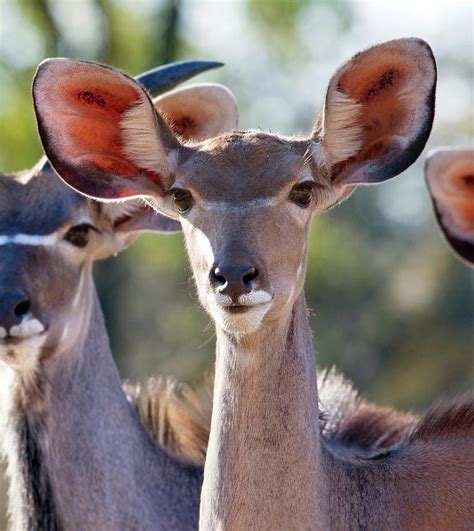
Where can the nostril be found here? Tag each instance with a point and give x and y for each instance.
(21, 309)
(250, 275)
(217, 277)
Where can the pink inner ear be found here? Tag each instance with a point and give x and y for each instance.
(455, 199)
(385, 89)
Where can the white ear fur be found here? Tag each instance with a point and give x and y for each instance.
(199, 111)
(141, 143)
(342, 131)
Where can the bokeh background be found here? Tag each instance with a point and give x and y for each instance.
(391, 306)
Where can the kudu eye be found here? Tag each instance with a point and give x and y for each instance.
(182, 199)
(79, 235)
(302, 194)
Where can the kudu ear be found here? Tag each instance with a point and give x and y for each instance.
(101, 132)
(124, 221)
(199, 111)
(378, 113)
(135, 217)
(449, 175)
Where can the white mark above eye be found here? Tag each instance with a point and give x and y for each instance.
(35, 240)
(244, 205)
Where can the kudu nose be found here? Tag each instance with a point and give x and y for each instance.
(233, 280)
(13, 308)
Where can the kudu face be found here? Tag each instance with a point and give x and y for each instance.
(49, 237)
(246, 199)
(253, 197)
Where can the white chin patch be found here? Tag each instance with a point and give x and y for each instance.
(238, 323)
(23, 356)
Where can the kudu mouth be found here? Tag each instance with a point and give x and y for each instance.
(28, 328)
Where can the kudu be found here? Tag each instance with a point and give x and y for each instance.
(77, 455)
(245, 200)
(449, 174)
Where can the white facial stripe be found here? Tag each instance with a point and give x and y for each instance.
(28, 327)
(3, 332)
(30, 239)
(244, 205)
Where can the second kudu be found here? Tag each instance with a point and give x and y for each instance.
(77, 456)
(245, 201)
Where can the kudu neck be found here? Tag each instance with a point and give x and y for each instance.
(99, 468)
(263, 460)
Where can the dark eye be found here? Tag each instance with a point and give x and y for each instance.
(302, 194)
(79, 235)
(183, 200)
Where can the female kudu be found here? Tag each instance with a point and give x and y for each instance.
(245, 201)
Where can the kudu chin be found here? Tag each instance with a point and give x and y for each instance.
(268, 466)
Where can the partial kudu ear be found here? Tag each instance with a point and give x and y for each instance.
(135, 217)
(449, 175)
(199, 111)
(378, 113)
(122, 222)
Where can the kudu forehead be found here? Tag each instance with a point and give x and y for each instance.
(242, 166)
(36, 203)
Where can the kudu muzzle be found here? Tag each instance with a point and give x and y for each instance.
(236, 273)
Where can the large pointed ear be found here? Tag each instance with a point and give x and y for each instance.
(101, 132)
(199, 111)
(449, 175)
(377, 114)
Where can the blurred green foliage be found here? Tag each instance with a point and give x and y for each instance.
(390, 306)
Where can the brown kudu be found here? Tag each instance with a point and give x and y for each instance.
(245, 201)
(77, 455)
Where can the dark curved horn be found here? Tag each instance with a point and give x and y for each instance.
(166, 77)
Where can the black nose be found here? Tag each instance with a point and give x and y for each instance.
(233, 280)
(14, 306)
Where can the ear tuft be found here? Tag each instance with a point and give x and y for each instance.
(199, 112)
(342, 127)
(141, 144)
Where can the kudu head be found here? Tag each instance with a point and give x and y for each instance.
(245, 199)
(449, 175)
(49, 237)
